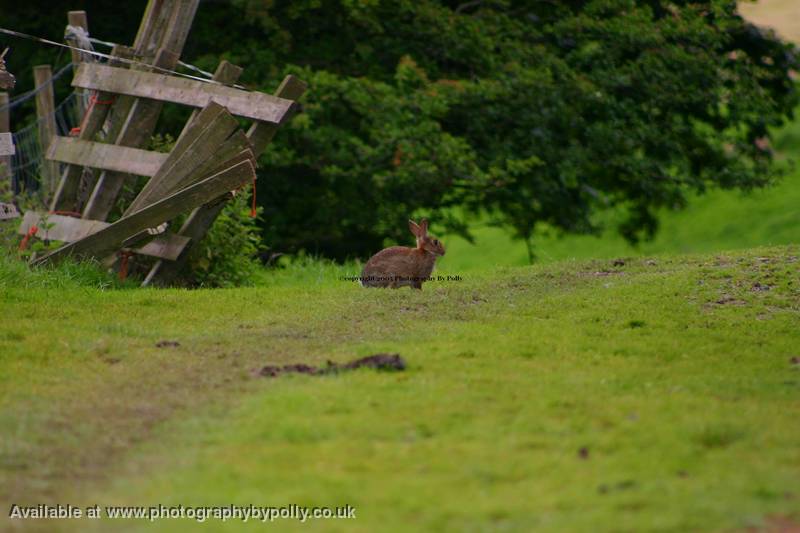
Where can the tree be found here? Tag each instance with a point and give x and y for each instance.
(532, 112)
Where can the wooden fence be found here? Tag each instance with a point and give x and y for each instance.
(211, 157)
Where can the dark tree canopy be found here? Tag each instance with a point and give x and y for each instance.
(530, 112)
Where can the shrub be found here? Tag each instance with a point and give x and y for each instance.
(228, 255)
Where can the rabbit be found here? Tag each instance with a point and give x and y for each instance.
(399, 266)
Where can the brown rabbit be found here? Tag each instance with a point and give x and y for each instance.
(399, 266)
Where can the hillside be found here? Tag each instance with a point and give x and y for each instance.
(654, 394)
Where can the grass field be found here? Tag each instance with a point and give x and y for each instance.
(656, 395)
(603, 389)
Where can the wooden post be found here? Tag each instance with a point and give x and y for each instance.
(78, 19)
(45, 112)
(165, 24)
(180, 22)
(151, 28)
(5, 161)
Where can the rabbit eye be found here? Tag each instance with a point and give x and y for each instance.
(435, 241)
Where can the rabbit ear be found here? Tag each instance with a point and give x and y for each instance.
(415, 229)
(424, 227)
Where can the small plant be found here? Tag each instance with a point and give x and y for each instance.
(228, 255)
(24, 200)
(42, 243)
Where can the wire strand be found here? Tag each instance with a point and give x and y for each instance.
(181, 63)
(110, 57)
(24, 97)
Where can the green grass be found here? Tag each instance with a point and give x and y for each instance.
(655, 395)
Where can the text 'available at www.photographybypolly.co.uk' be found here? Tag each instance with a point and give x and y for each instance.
(243, 513)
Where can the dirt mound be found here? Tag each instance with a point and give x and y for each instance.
(378, 361)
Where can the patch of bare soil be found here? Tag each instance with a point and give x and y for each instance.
(730, 300)
(167, 344)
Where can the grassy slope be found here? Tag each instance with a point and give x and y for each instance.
(673, 373)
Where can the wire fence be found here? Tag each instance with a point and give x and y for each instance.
(27, 161)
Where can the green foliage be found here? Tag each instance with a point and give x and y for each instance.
(535, 113)
(228, 255)
(24, 201)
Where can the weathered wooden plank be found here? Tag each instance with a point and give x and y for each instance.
(105, 156)
(253, 105)
(66, 195)
(213, 128)
(194, 129)
(135, 132)
(202, 218)
(66, 229)
(151, 28)
(69, 229)
(236, 145)
(109, 239)
(179, 24)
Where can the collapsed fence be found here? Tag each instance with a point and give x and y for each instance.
(90, 167)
